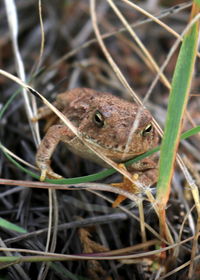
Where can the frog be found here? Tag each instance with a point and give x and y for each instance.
(119, 129)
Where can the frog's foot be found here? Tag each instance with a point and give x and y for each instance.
(47, 172)
(126, 185)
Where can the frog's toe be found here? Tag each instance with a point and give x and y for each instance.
(53, 175)
(43, 175)
(49, 173)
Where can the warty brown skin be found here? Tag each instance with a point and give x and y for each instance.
(107, 122)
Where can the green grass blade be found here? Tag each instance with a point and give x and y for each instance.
(177, 103)
(8, 225)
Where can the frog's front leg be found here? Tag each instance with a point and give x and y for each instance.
(54, 135)
(147, 170)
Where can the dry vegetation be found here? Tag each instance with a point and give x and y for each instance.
(83, 221)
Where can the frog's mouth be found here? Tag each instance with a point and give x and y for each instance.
(115, 152)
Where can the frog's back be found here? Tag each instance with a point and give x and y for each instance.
(79, 101)
(74, 96)
(85, 98)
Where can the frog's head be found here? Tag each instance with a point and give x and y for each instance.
(120, 129)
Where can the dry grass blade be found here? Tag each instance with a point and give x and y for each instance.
(114, 66)
(99, 256)
(139, 42)
(38, 65)
(108, 56)
(117, 71)
(13, 24)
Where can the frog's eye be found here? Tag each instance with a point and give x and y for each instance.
(98, 119)
(147, 130)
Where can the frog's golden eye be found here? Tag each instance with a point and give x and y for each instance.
(98, 119)
(147, 130)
